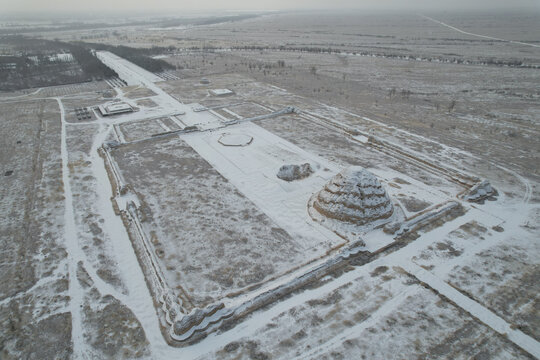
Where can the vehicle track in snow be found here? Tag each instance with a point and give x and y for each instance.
(477, 35)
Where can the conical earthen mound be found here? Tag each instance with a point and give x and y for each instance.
(354, 196)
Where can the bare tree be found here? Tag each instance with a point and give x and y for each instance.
(451, 106)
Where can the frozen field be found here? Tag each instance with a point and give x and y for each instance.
(212, 253)
(118, 231)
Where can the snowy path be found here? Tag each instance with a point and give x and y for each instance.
(72, 247)
(477, 35)
(21, 96)
(525, 182)
(135, 75)
(476, 310)
(138, 300)
(127, 71)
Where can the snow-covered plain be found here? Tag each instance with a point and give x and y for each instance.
(249, 167)
(197, 189)
(253, 170)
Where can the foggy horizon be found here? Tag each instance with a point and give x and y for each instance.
(36, 8)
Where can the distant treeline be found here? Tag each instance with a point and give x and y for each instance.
(205, 20)
(33, 63)
(329, 50)
(104, 25)
(66, 27)
(91, 66)
(139, 56)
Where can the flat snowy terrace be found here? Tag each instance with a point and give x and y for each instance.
(410, 188)
(465, 288)
(211, 240)
(252, 169)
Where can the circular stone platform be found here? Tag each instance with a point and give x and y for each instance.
(235, 139)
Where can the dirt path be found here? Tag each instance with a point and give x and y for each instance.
(73, 250)
(477, 35)
(21, 96)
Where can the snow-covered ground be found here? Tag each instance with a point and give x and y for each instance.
(441, 295)
(253, 170)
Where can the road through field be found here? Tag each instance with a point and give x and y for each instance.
(477, 35)
(73, 249)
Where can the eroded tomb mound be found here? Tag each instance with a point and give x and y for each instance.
(354, 196)
(480, 192)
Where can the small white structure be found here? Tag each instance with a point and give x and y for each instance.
(221, 92)
(115, 108)
(8, 66)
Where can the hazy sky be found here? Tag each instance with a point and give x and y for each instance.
(179, 5)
